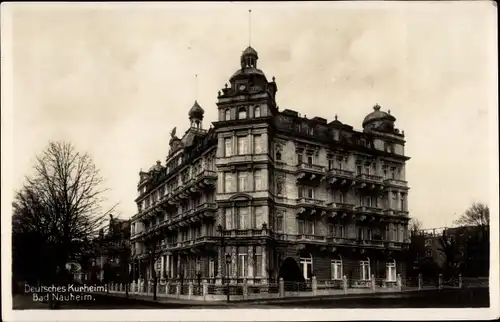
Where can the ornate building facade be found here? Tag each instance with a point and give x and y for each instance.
(266, 193)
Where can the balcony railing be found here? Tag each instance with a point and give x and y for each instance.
(317, 238)
(310, 167)
(396, 182)
(371, 242)
(310, 201)
(340, 173)
(369, 177)
(245, 233)
(340, 205)
(368, 209)
(340, 240)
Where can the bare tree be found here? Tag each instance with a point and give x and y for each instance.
(415, 226)
(476, 215)
(61, 202)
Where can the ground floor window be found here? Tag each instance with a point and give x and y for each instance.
(365, 270)
(306, 264)
(211, 268)
(390, 271)
(258, 261)
(336, 269)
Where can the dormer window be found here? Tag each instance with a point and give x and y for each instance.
(257, 111)
(227, 115)
(242, 113)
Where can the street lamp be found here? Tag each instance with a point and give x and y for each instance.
(228, 262)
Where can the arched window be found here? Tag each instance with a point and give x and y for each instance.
(390, 271)
(227, 116)
(365, 269)
(257, 111)
(306, 264)
(242, 113)
(336, 265)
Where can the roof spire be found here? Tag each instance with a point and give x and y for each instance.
(249, 27)
(196, 86)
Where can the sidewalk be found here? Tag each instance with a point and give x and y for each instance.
(161, 299)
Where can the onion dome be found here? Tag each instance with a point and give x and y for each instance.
(196, 112)
(379, 119)
(249, 68)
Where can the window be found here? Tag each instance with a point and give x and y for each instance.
(257, 143)
(242, 181)
(279, 222)
(242, 145)
(361, 234)
(211, 268)
(309, 159)
(299, 158)
(242, 113)
(259, 217)
(244, 218)
(257, 179)
(228, 182)
(229, 219)
(393, 173)
(330, 164)
(341, 231)
(306, 227)
(369, 234)
(358, 170)
(258, 261)
(228, 148)
(390, 271)
(340, 198)
(227, 116)
(365, 270)
(306, 192)
(367, 169)
(402, 201)
(306, 264)
(336, 269)
(257, 111)
(331, 230)
(242, 262)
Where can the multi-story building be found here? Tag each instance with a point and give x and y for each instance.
(266, 193)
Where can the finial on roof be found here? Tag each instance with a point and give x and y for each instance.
(225, 85)
(335, 117)
(249, 27)
(274, 78)
(388, 111)
(218, 93)
(158, 162)
(376, 107)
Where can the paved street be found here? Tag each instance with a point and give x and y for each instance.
(473, 297)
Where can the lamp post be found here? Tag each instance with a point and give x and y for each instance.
(228, 262)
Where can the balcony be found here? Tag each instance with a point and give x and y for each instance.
(396, 213)
(311, 206)
(395, 183)
(205, 210)
(396, 245)
(241, 159)
(311, 238)
(368, 210)
(371, 243)
(246, 233)
(203, 180)
(369, 182)
(340, 241)
(310, 172)
(340, 207)
(340, 178)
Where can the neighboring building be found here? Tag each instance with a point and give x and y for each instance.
(112, 256)
(287, 193)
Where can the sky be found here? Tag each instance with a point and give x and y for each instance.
(114, 79)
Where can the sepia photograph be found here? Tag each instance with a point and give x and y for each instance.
(226, 161)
